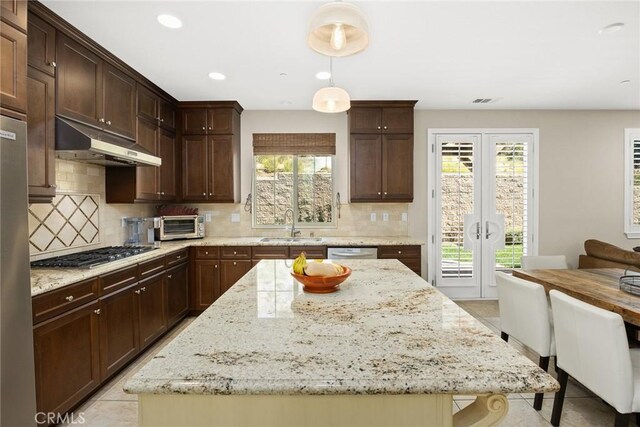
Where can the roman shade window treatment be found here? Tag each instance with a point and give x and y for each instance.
(296, 144)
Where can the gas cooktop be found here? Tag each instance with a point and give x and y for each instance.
(92, 258)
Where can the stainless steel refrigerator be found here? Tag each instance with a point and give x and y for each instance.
(17, 375)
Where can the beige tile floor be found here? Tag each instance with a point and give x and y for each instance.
(111, 407)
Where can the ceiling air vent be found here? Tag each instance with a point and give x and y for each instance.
(483, 100)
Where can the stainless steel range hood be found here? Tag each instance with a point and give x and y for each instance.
(78, 142)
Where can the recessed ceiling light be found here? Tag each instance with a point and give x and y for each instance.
(323, 75)
(612, 28)
(217, 76)
(624, 82)
(169, 21)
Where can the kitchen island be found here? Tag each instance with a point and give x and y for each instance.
(386, 349)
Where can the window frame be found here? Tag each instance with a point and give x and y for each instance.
(298, 225)
(631, 230)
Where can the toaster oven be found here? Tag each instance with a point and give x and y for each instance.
(180, 227)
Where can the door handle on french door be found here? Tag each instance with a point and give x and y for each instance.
(478, 231)
(487, 234)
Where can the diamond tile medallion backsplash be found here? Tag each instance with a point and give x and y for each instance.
(70, 221)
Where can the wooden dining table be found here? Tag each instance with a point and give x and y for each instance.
(597, 286)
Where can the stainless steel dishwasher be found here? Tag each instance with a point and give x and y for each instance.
(352, 253)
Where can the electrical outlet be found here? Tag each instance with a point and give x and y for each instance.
(235, 217)
(373, 216)
(404, 216)
(124, 221)
(385, 216)
(207, 216)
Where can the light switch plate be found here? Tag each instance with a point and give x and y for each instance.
(235, 217)
(207, 216)
(404, 216)
(373, 216)
(385, 216)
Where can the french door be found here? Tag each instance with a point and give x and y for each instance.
(482, 207)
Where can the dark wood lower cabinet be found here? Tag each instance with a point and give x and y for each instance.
(207, 283)
(119, 332)
(176, 290)
(231, 271)
(67, 358)
(152, 319)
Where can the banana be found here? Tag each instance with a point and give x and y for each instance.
(300, 263)
(338, 268)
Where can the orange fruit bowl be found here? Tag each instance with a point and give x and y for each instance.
(322, 284)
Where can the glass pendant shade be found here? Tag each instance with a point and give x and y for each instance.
(338, 29)
(331, 100)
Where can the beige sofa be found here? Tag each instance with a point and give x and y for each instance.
(605, 255)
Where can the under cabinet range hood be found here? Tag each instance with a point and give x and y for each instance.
(78, 142)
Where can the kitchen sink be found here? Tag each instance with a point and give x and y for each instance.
(291, 239)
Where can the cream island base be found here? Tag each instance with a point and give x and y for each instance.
(387, 349)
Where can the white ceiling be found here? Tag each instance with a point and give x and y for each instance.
(531, 55)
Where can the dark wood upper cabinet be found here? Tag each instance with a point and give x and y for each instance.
(13, 67)
(148, 107)
(14, 12)
(41, 45)
(167, 115)
(381, 151)
(220, 121)
(221, 155)
(147, 176)
(195, 169)
(79, 82)
(41, 136)
(365, 159)
(194, 121)
(167, 171)
(397, 167)
(119, 102)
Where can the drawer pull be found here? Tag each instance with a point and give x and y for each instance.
(206, 252)
(399, 252)
(69, 298)
(137, 292)
(170, 276)
(179, 256)
(216, 265)
(234, 252)
(96, 311)
(143, 289)
(235, 263)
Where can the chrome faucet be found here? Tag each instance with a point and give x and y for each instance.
(294, 232)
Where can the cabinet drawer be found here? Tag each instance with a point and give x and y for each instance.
(235, 252)
(312, 252)
(118, 279)
(413, 264)
(207, 252)
(270, 252)
(399, 252)
(149, 268)
(177, 257)
(52, 303)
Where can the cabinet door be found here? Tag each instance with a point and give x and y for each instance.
(366, 167)
(79, 82)
(220, 120)
(15, 12)
(397, 120)
(167, 115)
(66, 353)
(118, 330)
(177, 286)
(13, 68)
(207, 283)
(146, 176)
(41, 45)
(397, 168)
(194, 121)
(365, 120)
(119, 102)
(147, 104)
(41, 135)
(167, 152)
(221, 172)
(231, 272)
(152, 318)
(194, 167)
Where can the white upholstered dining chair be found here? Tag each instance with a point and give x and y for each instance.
(593, 349)
(525, 316)
(538, 262)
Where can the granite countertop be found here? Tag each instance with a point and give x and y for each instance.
(48, 279)
(386, 331)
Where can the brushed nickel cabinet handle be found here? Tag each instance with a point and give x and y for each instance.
(101, 119)
(206, 252)
(203, 128)
(204, 194)
(235, 253)
(378, 193)
(96, 311)
(143, 289)
(137, 291)
(161, 120)
(179, 256)
(216, 265)
(210, 194)
(385, 193)
(235, 263)
(385, 127)
(52, 64)
(109, 122)
(170, 276)
(162, 193)
(378, 127)
(69, 298)
(399, 252)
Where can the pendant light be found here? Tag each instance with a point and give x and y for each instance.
(338, 29)
(331, 99)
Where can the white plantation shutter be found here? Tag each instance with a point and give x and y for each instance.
(632, 183)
